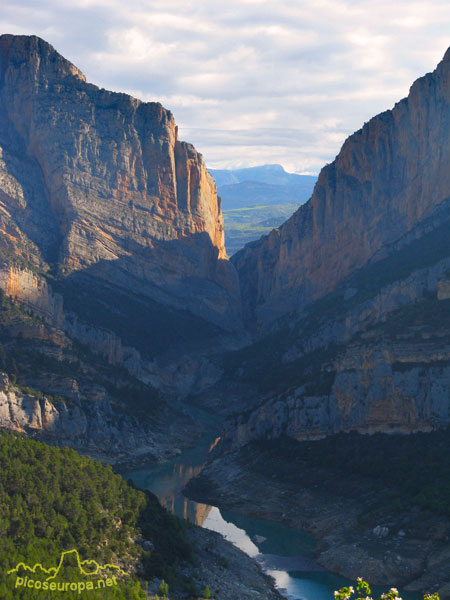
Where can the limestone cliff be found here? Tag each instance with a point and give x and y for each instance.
(113, 269)
(372, 356)
(387, 178)
(69, 383)
(96, 184)
(349, 298)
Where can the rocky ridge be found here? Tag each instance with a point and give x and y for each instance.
(381, 366)
(388, 177)
(177, 377)
(348, 299)
(112, 258)
(67, 383)
(97, 183)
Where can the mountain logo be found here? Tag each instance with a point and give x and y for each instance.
(70, 559)
(86, 567)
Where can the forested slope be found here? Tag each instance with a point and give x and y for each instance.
(53, 500)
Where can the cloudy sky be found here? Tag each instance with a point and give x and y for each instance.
(249, 81)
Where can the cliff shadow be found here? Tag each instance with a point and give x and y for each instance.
(175, 296)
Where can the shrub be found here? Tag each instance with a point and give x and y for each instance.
(363, 592)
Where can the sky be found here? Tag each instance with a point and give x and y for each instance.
(249, 82)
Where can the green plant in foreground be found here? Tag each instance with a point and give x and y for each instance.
(363, 592)
(163, 589)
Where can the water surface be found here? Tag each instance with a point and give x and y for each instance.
(284, 553)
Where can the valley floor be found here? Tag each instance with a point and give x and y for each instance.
(363, 527)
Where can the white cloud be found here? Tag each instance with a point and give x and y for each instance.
(249, 81)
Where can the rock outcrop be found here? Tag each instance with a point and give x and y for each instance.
(87, 420)
(32, 291)
(387, 178)
(97, 183)
(385, 388)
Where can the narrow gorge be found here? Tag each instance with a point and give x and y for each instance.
(315, 356)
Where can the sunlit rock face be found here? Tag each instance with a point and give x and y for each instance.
(97, 183)
(388, 176)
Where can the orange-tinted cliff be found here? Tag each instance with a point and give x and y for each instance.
(388, 177)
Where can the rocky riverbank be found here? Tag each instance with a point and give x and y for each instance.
(363, 527)
(227, 571)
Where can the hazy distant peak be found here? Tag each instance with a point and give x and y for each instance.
(272, 174)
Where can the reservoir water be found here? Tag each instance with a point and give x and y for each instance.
(283, 552)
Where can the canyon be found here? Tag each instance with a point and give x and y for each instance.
(123, 322)
(112, 240)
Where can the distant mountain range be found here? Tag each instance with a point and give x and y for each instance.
(271, 174)
(256, 199)
(268, 184)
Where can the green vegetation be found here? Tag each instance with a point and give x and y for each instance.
(243, 225)
(418, 473)
(8, 364)
(363, 592)
(53, 500)
(163, 589)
